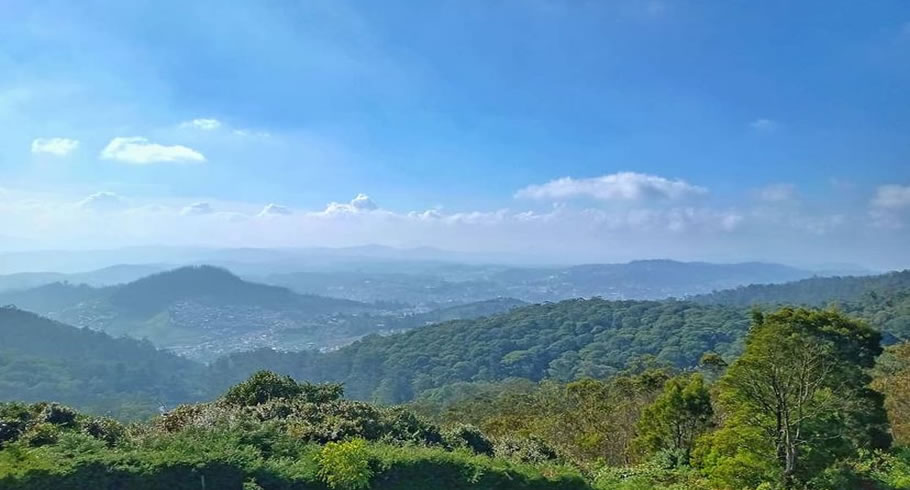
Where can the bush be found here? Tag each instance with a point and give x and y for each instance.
(264, 386)
(56, 414)
(102, 428)
(10, 430)
(41, 434)
(470, 437)
(345, 465)
(524, 449)
(261, 387)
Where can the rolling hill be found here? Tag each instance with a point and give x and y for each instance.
(815, 291)
(198, 311)
(568, 340)
(41, 359)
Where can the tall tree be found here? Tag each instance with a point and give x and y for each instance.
(893, 379)
(798, 398)
(677, 417)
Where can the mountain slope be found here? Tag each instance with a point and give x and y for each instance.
(198, 311)
(567, 340)
(41, 359)
(814, 292)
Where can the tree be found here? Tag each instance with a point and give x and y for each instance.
(893, 379)
(677, 417)
(263, 386)
(797, 400)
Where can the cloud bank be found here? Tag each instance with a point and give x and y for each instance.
(563, 233)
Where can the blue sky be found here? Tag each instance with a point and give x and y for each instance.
(702, 130)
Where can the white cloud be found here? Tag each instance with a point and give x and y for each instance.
(622, 186)
(140, 151)
(103, 202)
(205, 124)
(892, 197)
(55, 146)
(777, 192)
(361, 202)
(197, 209)
(275, 210)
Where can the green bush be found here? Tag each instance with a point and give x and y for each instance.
(56, 414)
(470, 437)
(41, 434)
(523, 449)
(345, 465)
(264, 386)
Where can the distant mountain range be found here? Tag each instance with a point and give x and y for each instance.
(108, 276)
(645, 279)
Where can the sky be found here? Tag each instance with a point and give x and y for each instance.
(557, 130)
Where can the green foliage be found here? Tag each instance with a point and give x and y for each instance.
(893, 380)
(468, 436)
(676, 418)
(527, 449)
(345, 465)
(225, 445)
(264, 386)
(41, 359)
(797, 400)
(570, 340)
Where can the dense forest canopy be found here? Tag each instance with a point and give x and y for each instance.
(564, 341)
(816, 291)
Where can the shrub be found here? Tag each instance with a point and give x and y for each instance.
(524, 449)
(10, 430)
(264, 386)
(102, 428)
(41, 434)
(261, 387)
(56, 414)
(469, 437)
(345, 465)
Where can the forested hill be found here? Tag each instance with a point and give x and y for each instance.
(568, 340)
(816, 291)
(41, 359)
(149, 295)
(200, 312)
(216, 286)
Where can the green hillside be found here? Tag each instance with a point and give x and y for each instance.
(565, 341)
(41, 359)
(200, 312)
